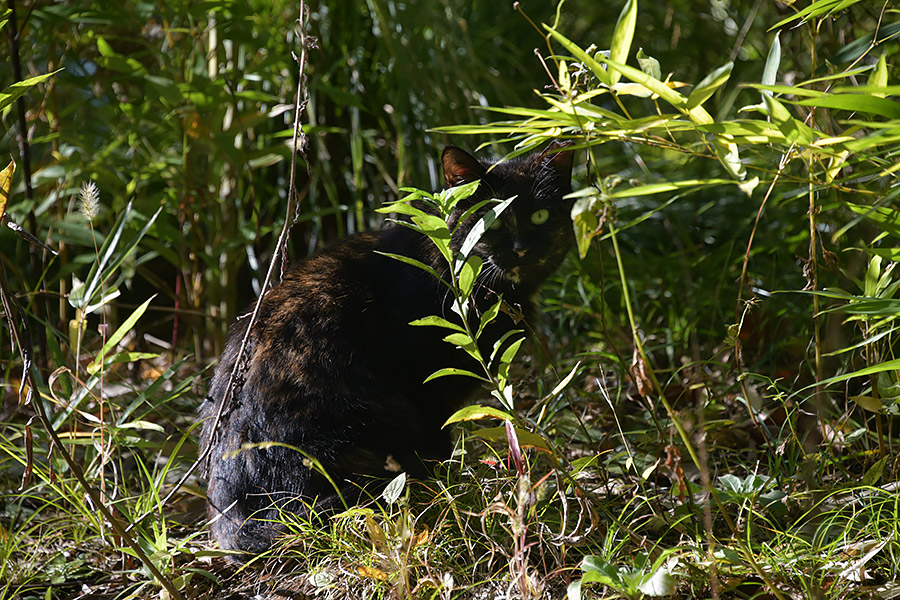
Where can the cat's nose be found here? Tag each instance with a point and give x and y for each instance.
(520, 248)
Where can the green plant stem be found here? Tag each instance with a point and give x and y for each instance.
(682, 433)
(24, 346)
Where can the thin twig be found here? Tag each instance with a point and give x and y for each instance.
(292, 213)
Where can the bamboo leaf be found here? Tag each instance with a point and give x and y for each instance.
(863, 103)
(622, 36)
(891, 365)
(116, 337)
(879, 78)
(648, 64)
(773, 61)
(708, 85)
(596, 68)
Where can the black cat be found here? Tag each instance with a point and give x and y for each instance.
(335, 369)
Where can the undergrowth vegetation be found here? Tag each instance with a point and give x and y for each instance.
(707, 408)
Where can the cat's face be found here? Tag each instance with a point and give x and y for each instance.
(531, 237)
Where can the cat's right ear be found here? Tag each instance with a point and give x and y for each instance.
(460, 167)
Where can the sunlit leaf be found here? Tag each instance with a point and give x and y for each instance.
(879, 78)
(773, 61)
(394, 489)
(622, 36)
(709, 84)
(6, 176)
(476, 412)
(454, 371)
(436, 321)
(482, 225)
(649, 65)
(11, 93)
(596, 68)
(863, 103)
(526, 438)
(116, 337)
(471, 268)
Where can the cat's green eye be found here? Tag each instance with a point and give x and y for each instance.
(495, 225)
(539, 217)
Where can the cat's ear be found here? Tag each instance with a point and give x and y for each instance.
(558, 158)
(460, 167)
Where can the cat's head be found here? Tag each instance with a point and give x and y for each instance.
(532, 236)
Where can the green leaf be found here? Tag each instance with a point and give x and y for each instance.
(879, 78)
(649, 65)
(869, 403)
(482, 225)
(596, 68)
(622, 36)
(873, 274)
(12, 93)
(436, 321)
(489, 315)
(601, 571)
(708, 85)
(454, 371)
(458, 339)
(891, 365)
(565, 381)
(499, 343)
(657, 87)
(585, 222)
(109, 263)
(887, 218)
(669, 186)
(470, 211)
(728, 155)
(400, 207)
(782, 118)
(116, 337)
(873, 476)
(468, 275)
(451, 196)
(506, 359)
(464, 342)
(413, 262)
(476, 412)
(526, 438)
(863, 103)
(660, 583)
(773, 61)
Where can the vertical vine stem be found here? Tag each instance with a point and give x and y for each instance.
(682, 432)
(292, 213)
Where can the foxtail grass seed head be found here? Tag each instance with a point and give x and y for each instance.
(90, 200)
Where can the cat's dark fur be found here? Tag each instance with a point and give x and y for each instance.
(336, 370)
